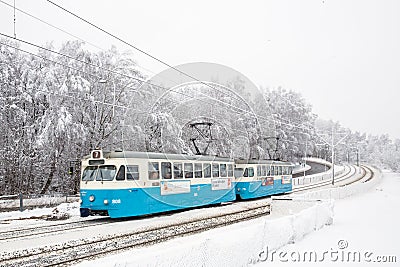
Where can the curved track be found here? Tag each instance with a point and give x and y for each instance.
(73, 252)
(347, 178)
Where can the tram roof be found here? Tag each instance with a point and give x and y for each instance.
(262, 161)
(163, 156)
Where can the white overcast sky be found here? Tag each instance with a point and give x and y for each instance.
(343, 56)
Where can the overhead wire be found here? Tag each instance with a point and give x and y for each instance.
(202, 82)
(99, 77)
(64, 31)
(49, 24)
(136, 48)
(235, 108)
(130, 45)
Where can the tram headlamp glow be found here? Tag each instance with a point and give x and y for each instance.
(80, 201)
(91, 198)
(105, 201)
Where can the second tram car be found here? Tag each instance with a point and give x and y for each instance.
(259, 178)
(124, 184)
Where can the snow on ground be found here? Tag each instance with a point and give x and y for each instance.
(234, 245)
(15, 218)
(37, 202)
(29, 218)
(366, 224)
(366, 227)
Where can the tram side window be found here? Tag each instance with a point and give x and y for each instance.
(276, 170)
(258, 170)
(121, 174)
(166, 171)
(290, 170)
(188, 170)
(198, 170)
(222, 168)
(132, 172)
(280, 170)
(230, 170)
(178, 171)
(238, 172)
(264, 170)
(106, 173)
(154, 171)
(207, 170)
(215, 170)
(268, 170)
(249, 172)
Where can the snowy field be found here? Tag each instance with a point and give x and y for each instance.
(366, 228)
(16, 218)
(365, 223)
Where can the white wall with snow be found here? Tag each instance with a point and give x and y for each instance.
(234, 245)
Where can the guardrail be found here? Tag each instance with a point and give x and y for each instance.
(12, 197)
(319, 177)
(21, 202)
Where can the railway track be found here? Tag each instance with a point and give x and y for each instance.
(367, 175)
(371, 171)
(75, 251)
(50, 229)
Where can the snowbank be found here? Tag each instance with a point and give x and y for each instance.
(234, 245)
(44, 201)
(70, 209)
(367, 226)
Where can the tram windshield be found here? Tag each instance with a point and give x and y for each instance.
(100, 173)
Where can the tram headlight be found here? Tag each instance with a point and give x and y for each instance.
(80, 201)
(105, 201)
(91, 198)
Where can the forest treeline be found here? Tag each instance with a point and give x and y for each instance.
(56, 107)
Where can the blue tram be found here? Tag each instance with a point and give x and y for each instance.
(259, 178)
(124, 184)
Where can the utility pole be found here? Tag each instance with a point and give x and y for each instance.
(15, 20)
(333, 159)
(358, 157)
(333, 145)
(305, 160)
